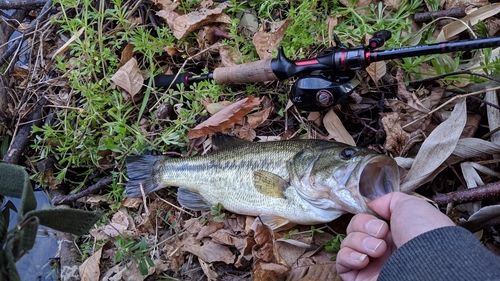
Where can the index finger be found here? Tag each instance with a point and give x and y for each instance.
(368, 224)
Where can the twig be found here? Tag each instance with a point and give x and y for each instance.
(145, 202)
(469, 195)
(180, 209)
(21, 4)
(434, 78)
(90, 190)
(428, 16)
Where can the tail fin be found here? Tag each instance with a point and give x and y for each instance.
(141, 170)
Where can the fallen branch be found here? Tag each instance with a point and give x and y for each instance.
(429, 16)
(479, 193)
(21, 4)
(22, 138)
(90, 190)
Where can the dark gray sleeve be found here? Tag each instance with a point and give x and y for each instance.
(447, 253)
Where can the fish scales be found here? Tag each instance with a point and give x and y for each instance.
(227, 176)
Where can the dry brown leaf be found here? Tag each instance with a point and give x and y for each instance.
(266, 271)
(493, 26)
(436, 148)
(206, 230)
(314, 117)
(207, 250)
(314, 265)
(127, 54)
(336, 129)
(225, 119)
(377, 70)
(207, 4)
(411, 99)
(227, 54)
(66, 45)
(173, 51)
(168, 5)
(454, 28)
(129, 78)
(450, 4)
(131, 202)
(130, 271)
(256, 119)
(245, 132)
(121, 223)
(359, 4)
(93, 199)
(213, 108)
(182, 25)
(268, 263)
(193, 226)
(208, 270)
(393, 3)
(266, 42)
(264, 239)
(474, 147)
(396, 138)
(331, 22)
(493, 115)
(90, 268)
(472, 180)
(486, 217)
(413, 106)
(248, 23)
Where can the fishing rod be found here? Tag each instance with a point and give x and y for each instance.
(325, 80)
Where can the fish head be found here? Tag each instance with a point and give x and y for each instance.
(335, 177)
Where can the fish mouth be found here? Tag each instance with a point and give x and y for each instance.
(379, 176)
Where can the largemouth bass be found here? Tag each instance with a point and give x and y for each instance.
(283, 182)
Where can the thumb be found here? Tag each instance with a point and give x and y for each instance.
(384, 205)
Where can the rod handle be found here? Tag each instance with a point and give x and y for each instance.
(257, 71)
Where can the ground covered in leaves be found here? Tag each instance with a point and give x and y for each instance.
(76, 99)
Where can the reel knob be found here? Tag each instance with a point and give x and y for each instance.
(324, 98)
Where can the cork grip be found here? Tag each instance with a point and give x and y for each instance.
(257, 71)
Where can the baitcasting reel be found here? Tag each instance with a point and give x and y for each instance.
(317, 92)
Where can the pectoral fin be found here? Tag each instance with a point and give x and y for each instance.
(192, 200)
(269, 184)
(276, 223)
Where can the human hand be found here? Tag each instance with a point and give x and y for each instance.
(370, 242)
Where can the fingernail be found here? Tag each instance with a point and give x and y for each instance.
(371, 244)
(373, 227)
(358, 256)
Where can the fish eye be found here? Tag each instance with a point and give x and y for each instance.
(347, 153)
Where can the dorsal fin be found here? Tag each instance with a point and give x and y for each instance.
(222, 141)
(269, 184)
